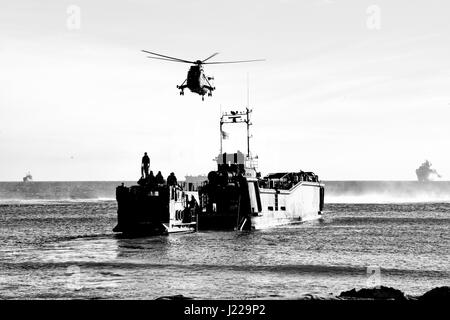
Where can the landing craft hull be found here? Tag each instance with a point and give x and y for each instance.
(155, 229)
(153, 210)
(271, 220)
(260, 222)
(303, 202)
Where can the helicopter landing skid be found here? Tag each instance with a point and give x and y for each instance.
(210, 88)
(182, 89)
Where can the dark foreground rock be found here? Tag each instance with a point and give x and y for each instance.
(436, 294)
(378, 293)
(175, 297)
(318, 297)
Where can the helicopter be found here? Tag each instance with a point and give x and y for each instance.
(196, 80)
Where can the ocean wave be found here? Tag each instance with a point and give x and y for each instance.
(252, 268)
(53, 201)
(362, 199)
(381, 199)
(386, 192)
(335, 192)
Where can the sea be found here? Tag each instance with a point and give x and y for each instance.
(56, 242)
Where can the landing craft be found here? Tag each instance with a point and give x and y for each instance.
(196, 80)
(28, 177)
(426, 173)
(233, 197)
(236, 197)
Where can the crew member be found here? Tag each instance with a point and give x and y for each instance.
(193, 207)
(145, 165)
(159, 178)
(151, 180)
(172, 180)
(193, 203)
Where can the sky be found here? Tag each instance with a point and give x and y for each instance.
(352, 90)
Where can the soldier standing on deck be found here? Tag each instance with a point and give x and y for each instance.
(145, 165)
(172, 180)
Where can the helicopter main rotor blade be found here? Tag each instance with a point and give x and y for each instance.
(213, 55)
(241, 61)
(161, 55)
(171, 60)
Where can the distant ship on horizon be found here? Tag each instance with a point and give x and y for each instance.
(28, 177)
(426, 173)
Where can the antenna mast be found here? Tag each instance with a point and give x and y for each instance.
(236, 117)
(248, 91)
(248, 111)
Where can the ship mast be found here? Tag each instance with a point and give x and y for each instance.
(248, 111)
(236, 117)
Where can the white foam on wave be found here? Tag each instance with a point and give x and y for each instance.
(53, 201)
(380, 199)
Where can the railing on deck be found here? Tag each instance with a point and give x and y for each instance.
(251, 163)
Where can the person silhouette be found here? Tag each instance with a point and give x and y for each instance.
(159, 178)
(172, 180)
(151, 180)
(145, 165)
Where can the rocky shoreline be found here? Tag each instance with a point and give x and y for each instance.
(385, 293)
(376, 293)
